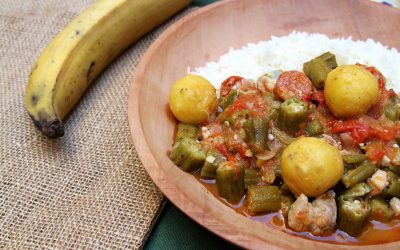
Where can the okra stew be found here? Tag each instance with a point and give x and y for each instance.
(314, 153)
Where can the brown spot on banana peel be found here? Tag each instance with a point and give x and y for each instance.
(48, 124)
(52, 128)
(90, 70)
(34, 100)
(33, 69)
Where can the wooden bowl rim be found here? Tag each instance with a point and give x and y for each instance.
(149, 162)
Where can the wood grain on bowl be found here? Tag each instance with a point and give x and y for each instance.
(205, 35)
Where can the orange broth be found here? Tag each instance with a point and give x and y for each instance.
(374, 232)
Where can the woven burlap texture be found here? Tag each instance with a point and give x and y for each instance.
(89, 188)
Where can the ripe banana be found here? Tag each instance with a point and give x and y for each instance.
(79, 53)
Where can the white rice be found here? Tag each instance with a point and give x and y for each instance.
(290, 52)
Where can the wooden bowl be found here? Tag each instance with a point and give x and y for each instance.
(205, 35)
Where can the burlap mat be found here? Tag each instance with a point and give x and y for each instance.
(87, 189)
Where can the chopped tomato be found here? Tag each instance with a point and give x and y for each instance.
(378, 149)
(375, 151)
(228, 84)
(242, 152)
(252, 102)
(363, 129)
(318, 96)
(225, 151)
(293, 84)
(233, 157)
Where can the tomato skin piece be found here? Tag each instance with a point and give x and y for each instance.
(228, 84)
(225, 151)
(375, 155)
(293, 84)
(362, 131)
(251, 102)
(377, 149)
(242, 152)
(318, 96)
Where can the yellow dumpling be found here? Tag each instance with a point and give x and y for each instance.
(192, 99)
(350, 90)
(311, 166)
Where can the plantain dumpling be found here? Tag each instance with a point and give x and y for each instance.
(350, 90)
(311, 166)
(193, 99)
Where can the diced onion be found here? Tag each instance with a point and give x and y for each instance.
(266, 155)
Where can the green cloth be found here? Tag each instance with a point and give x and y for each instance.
(202, 2)
(175, 230)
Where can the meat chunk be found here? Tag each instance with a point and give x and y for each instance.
(395, 205)
(378, 181)
(299, 214)
(318, 217)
